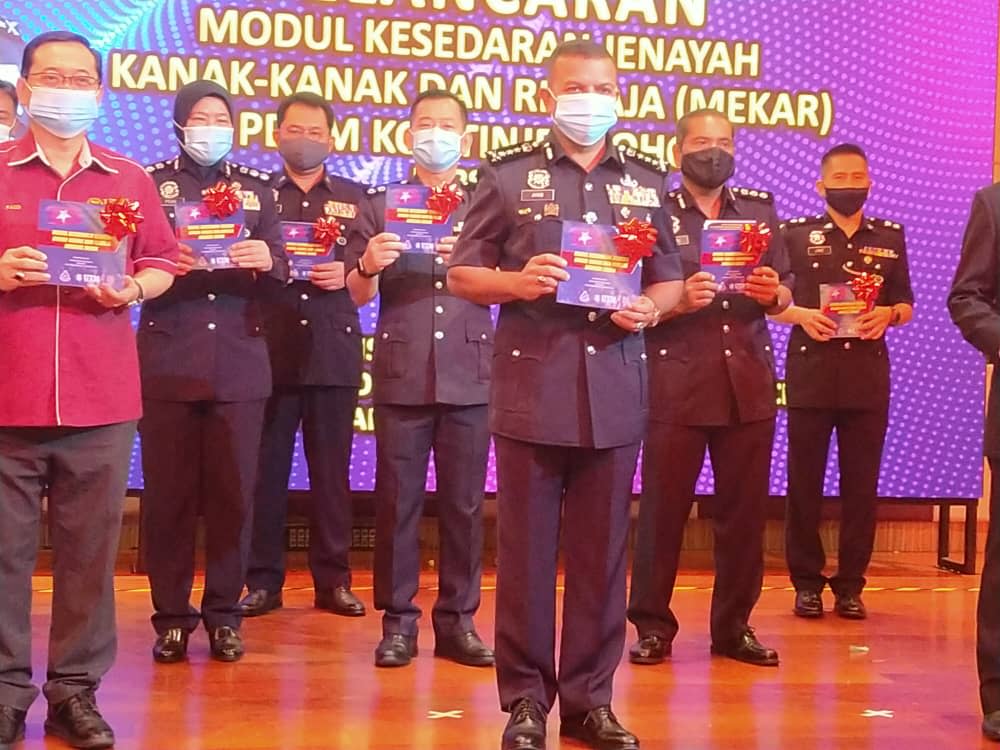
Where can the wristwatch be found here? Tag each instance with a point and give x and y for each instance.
(365, 274)
(896, 316)
(140, 297)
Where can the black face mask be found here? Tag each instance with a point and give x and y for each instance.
(708, 168)
(846, 201)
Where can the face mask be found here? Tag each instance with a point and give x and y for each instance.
(303, 154)
(437, 150)
(846, 201)
(585, 118)
(63, 112)
(207, 144)
(4, 132)
(708, 168)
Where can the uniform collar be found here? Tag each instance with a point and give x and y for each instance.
(729, 200)
(284, 179)
(27, 150)
(184, 163)
(867, 222)
(554, 151)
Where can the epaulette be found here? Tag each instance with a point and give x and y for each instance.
(654, 163)
(373, 190)
(157, 167)
(804, 221)
(753, 194)
(886, 224)
(512, 152)
(257, 174)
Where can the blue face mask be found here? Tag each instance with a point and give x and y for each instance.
(207, 144)
(437, 150)
(66, 113)
(585, 118)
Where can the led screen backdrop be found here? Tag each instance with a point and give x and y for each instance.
(911, 81)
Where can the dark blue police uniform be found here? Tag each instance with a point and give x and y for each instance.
(431, 373)
(712, 385)
(567, 410)
(842, 384)
(314, 339)
(205, 379)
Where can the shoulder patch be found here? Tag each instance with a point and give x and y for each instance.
(801, 220)
(645, 159)
(252, 172)
(889, 224)
(508, 154)
(370, 191)
(754, 194)
(156, 167)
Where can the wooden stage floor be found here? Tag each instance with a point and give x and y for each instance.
(905, 678)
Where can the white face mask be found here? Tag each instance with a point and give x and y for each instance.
(585, 118)
(207, 144)
(66, 113)
(5, 132)
(437, 150)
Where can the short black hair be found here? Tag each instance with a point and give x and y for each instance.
(424, 96)
(8, 88)
(684, 124)
(28, 58)
(308, 99)
(843, 149)
(585, 48)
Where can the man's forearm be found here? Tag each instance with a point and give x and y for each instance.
(483, 286)
(154, 282)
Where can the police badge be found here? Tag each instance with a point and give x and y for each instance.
(539, 179)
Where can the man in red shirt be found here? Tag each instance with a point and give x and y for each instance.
(69, 391)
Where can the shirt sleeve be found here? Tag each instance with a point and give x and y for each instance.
(972, 301)
(486, 228)
(268, 230)
(777, 252)
(900, 290)
(665, 263)
(361, 230)
(155, 244)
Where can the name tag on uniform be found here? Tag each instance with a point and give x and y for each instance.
(879, 252)
(633, 195)
(530, 196)
(682, 239)
(340, 209)
(819, 250)
(251, 201)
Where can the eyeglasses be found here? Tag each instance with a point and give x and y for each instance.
(51, 80)
(313, 134)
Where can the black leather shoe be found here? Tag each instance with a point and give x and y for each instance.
(340, 601)
(525, 728)
(260, 602)
(649, 649)
(599, 728)
(11, 726)
(748, 649)
(991, 726)
(171, 646)
(808, 604)
(226, 644)
(850, 607)
(78, 723)
(464, 648)
(395, 650)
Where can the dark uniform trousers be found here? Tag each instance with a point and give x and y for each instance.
(205, 380)
(712, 387)
(841, 385)
(988, 609)
(83, 472)
(568, 408)
(314, 343)
(431, 373)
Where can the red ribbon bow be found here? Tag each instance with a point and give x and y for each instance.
(754, 240)
(866, 286)
(121, 217)
(326, 231)
(222, 199)
(635, 240)
(444, 199)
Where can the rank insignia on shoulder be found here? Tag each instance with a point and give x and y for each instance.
(754, 194)
(507, 154)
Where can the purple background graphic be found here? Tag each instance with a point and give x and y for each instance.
(912, 82)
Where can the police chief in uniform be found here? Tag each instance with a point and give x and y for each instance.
(974, 304)
(839, 379)
(712, 385)
(431, 373)
(314, 339)
(205, 380)
(568, 402)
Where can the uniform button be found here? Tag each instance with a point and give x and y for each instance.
(592, 316)
(725, 304)
(304, 297)
(211, 297)
(439, 260)
(726, 328)
(728, 352)
(588, 186)
(847, 345)
(878, 266)
(305, 204)
(151, 324)
(643, 356)
(802, 349)
(850, 245)
(349, 329)
(303, 322)
(482, 336)
(591, 349)
(439, 285)
(767, 348)
(849, 263)
(211, 326)
(439, 310)
(663, 352)
(516, 353)
(385, 336)
(815, 264)
(439, 335)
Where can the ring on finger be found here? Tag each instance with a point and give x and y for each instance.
(541, 279)
(19, 276)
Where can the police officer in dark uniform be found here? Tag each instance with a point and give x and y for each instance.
(568, 403)
(314, 338)
(974, 304)
(431, 373)
(712, 385)
(205, 380)
(839, 379)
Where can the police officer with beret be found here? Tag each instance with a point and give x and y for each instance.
(431, 373)
(568, 402)
(205, 380)
(837, 377)
(314, 338)
(712, 386)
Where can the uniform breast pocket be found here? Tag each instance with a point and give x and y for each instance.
(391, 355)
(669, 370)
(153, 342)
(516, 376)
(480, 337)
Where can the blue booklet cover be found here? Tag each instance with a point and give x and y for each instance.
(210, 237)
(598, 275)
(407, 214)
(838, 303)
(79, 250)
(722, 256)
(302, 249)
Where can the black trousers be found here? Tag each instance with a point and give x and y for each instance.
(404, 438)
(198, 456)
(988, 612)
(584, 494)
(672, 459)
(860, 437)
(327, 418)
(84, 472)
